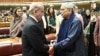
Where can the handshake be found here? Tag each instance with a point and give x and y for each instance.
(51, 48)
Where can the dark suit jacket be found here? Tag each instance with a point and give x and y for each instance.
(34, 42)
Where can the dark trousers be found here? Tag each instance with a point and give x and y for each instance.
(98, 52)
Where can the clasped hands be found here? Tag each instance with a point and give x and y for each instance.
(51, 50)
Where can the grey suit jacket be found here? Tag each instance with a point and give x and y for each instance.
(34, 42)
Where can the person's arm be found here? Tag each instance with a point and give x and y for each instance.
(82, 21)
(96, 31)
(57, 24)
(73, 34)
(12, 28)
(15, 28)
(36, 39)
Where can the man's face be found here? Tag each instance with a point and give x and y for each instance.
(40, 13)
(64, 12)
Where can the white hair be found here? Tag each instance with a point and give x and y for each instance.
(35, 6)
(68, 5)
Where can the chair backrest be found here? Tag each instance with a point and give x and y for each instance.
(5, 49)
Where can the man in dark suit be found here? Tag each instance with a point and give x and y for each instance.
(34, 42)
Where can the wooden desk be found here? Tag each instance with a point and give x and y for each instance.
(5, 40)
(17, 39)
(4, 24)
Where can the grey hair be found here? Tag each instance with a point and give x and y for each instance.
(35, 6)
(68, 5)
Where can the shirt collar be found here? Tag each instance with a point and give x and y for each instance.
(33, 17)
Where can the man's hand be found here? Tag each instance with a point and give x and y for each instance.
(96, 44)
(51, 50)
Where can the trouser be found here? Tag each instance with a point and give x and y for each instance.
(98, 53)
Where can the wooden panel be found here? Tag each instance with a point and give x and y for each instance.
(25, 0)
(4, 24)
(11, 39)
